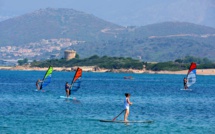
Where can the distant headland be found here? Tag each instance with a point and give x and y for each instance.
(92, 69)
(118, 65)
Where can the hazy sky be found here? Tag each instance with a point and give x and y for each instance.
(123, 12)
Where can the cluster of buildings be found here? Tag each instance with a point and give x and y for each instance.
(44, 49)
(68, 55)
(37, 49)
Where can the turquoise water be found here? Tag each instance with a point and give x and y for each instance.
(155, 97)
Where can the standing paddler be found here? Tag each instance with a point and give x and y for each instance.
(127, 103)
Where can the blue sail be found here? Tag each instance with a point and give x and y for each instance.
(76, 85)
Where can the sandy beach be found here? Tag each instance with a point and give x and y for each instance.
(95, 69)
(198, 72)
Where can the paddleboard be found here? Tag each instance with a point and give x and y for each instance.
(121, 121)
(186, 89)
(64, 97)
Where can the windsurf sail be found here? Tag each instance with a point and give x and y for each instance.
(191, 75)
(47, 78)
(76, 82)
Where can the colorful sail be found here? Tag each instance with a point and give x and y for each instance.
(191, 75)
(76, 80)
(47, 78)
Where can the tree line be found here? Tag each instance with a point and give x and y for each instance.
(125, 63)
(95, 60)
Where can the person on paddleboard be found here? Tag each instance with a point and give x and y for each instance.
(185, 83)
(127, 103)
(38, 84)
(67, 89)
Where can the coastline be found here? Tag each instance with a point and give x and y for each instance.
(96, 69)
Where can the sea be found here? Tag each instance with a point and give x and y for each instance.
(155, 97)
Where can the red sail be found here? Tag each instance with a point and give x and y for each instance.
(192, 67)
(78, 74)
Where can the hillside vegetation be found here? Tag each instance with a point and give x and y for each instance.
(102, 62)
(53, 23)
(181, 64)
(127, 63)
(156, 42)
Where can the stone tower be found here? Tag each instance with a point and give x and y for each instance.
(69, 54)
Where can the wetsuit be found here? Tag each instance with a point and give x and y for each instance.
(185, 83)
(37, 84)
(67, 87)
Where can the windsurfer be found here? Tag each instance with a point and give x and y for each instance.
(67, 89)
(127, 103)
(38, 84)
(185, 83)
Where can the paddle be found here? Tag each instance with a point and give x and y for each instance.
(118, 115)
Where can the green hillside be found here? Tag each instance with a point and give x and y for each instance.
(173, 28)
(54, 23)
(156, 42)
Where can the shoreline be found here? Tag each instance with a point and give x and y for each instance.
(100, 70)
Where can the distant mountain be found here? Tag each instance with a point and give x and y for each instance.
(173, 28)
(126, 12)
(158, 42)
(55, 23)
(47, 32)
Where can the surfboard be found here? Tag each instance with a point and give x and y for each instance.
(186, 89)
(64, 97)
(121, 121)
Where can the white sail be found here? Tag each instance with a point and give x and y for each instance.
(191, 76)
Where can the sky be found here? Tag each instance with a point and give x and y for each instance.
(123, 12)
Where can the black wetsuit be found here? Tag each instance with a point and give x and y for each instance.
(185, 83)
(67, 87)
(37, 84)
